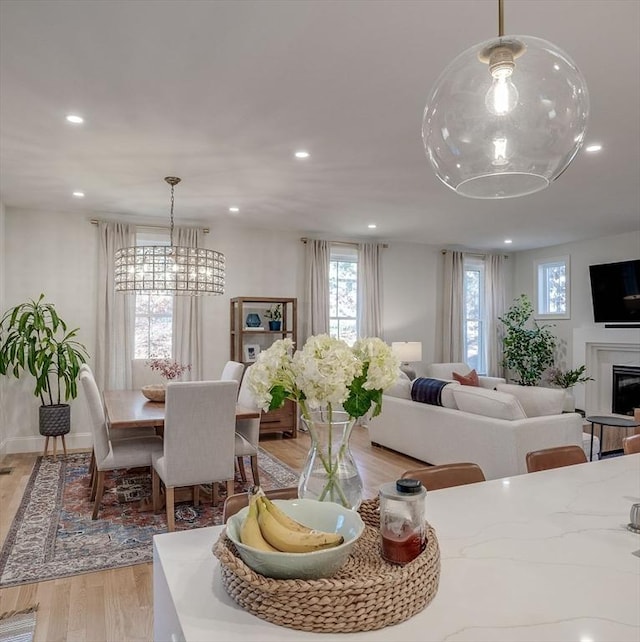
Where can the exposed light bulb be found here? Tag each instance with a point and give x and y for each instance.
(502, 96)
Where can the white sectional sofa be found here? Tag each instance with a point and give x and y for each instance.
(492, 428)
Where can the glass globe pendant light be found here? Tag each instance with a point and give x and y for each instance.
(169, 269)
(506, 117)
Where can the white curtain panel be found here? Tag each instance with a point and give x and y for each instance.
(187, 315)
(495, 304)
(316, 306)
(116, 314)
(369, 290)
(452, 348)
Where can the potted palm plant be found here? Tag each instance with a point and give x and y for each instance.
(34, 339)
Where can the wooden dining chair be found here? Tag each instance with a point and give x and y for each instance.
(446, 475)
(556, 457)
(112, 455)
(237, 502)
(631, 444)
(199, 440)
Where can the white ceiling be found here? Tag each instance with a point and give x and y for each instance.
(222, 94)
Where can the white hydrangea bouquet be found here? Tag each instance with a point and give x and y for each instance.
(333, 384)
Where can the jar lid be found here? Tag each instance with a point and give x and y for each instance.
(409, 486)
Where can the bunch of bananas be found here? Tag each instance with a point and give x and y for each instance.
(268, 528)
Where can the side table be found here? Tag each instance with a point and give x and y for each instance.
(613, 422)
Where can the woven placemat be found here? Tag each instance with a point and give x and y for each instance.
(367, 593)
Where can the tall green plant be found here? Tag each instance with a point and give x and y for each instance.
(528, 348)
(34, 339)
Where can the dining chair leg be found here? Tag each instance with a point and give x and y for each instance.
(155, 490)
(243, 472)
(94, 486)
(171, 517)
(196, 495)
(64, 446)
(231, 487)
(46, 447)
(92, 467)
(254, 470)
(99, 491)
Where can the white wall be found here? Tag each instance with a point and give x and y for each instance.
(55, 253)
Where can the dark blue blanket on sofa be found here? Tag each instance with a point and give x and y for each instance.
(427, 390)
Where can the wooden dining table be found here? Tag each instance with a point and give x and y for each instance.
(131, 409)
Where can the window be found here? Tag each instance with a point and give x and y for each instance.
(552, 288)
(473, 326)
(343, 294)
(153, 313)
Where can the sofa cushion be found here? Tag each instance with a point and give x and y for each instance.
(427, 390)
(489, 403)
(536, 402)
(448, 400)
(401, 388)
(446, 370)
(470, 379)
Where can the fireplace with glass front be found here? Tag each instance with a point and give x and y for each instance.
(626, 390)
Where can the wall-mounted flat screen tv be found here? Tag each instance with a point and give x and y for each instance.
(615, 292)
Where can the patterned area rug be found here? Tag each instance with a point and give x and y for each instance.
(54, 536)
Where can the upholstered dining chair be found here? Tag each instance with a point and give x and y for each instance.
(247, 432)
(199, 440)
(234, 503)
(112, 455)
(631, 445)
(556, 457)
(446, 475)
(232, 371)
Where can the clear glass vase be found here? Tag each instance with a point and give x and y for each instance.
(330, 473)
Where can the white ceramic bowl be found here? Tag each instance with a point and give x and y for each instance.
(324, 516)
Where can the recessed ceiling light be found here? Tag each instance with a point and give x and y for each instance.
(79, 194)
(302, 154)
(234, 209)
(372, 226)
(508, 241)
(593, 148)
(75, 119)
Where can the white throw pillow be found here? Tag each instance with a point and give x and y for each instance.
(488, 403)
(401, 388)
(537, 402)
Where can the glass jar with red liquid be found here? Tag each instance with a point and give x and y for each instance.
(402, 520)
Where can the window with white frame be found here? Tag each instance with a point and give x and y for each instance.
(474, 326)
(552, 288)
(343, 294)
(153, 312)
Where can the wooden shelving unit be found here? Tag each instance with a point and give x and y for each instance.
(246, 343)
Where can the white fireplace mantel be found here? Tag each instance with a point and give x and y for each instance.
(601, 348)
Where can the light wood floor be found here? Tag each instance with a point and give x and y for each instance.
(118, 604)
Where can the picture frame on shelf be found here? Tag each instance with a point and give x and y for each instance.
(251, 352)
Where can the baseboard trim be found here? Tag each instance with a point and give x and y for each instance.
(35, 444)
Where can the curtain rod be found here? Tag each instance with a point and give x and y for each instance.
(95, 221)
(304, 239)
(506, 256)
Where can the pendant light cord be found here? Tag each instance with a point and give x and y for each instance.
(500, 18)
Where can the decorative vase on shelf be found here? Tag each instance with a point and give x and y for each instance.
(253, 320)
(274, 326)
(330, 473)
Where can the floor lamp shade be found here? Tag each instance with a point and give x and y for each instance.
(499, 127)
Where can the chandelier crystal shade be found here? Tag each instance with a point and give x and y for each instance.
(169, 269)
(506, 117)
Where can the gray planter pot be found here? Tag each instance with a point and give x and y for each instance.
(55, 420)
